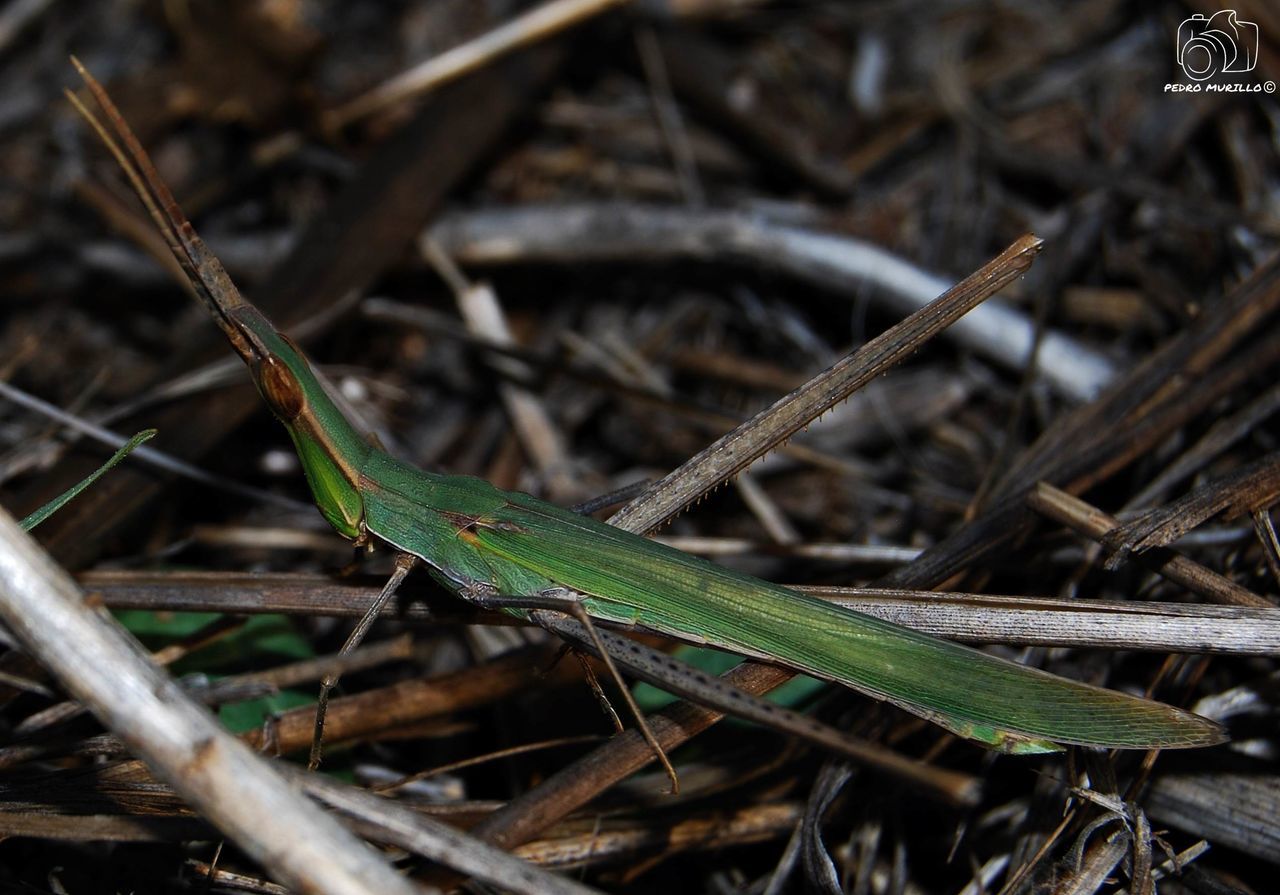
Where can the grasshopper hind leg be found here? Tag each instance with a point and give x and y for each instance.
(563, 602)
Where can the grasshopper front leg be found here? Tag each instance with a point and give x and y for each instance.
(404, 564)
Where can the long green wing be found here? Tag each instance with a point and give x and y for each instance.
(1000, 703)
(471, 531)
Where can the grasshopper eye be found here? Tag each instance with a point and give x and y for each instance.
(281, 389)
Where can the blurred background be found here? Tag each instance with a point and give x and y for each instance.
(568, 264)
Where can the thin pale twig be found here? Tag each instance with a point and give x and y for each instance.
(485, 319)
(234, 788)
(627, 232)
(974, 618)
(399, 825)
(535, 25)
(151, 456)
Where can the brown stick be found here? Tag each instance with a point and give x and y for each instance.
(771, 427)
(1092, 522)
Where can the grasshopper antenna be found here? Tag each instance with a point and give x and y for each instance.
(205, 273)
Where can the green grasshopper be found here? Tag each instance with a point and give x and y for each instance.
(509, 551)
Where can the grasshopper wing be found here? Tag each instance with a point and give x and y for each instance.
(1002, 704)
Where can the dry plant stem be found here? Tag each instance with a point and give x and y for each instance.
(485, 319)
(774, 425)
(617, 232)
(230, 785)
(1092, 522)
(101, 827)
(136, 227)
(667, 113)
(392, 649)
(1265, 529)
(233, 688)
(1163, 393)
(535, 25)
(384, 710)
(17, 17)
(704, 832)
(1235, 809)
(240, 882)
(786, 541)
(1141, 860)
(985, 877)
(34, 725)
(255, 593)
(1175, 865)
(1100, 861)
(769, 514)
(976, 618)
(585, 620)
(711, 81)
(1174, 373)
(1251, 630)
(1244, 490)
(558, 607)
(699, 8)
(589, 374)
(407, 702)
(649, 666)
(1221, 436)
(395, 824)
(498, 755)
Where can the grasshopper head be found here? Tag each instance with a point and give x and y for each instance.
(331, 450)
(278, 365)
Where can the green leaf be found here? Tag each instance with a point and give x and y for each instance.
(240, 717)
(270, 637)
(34, 519)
